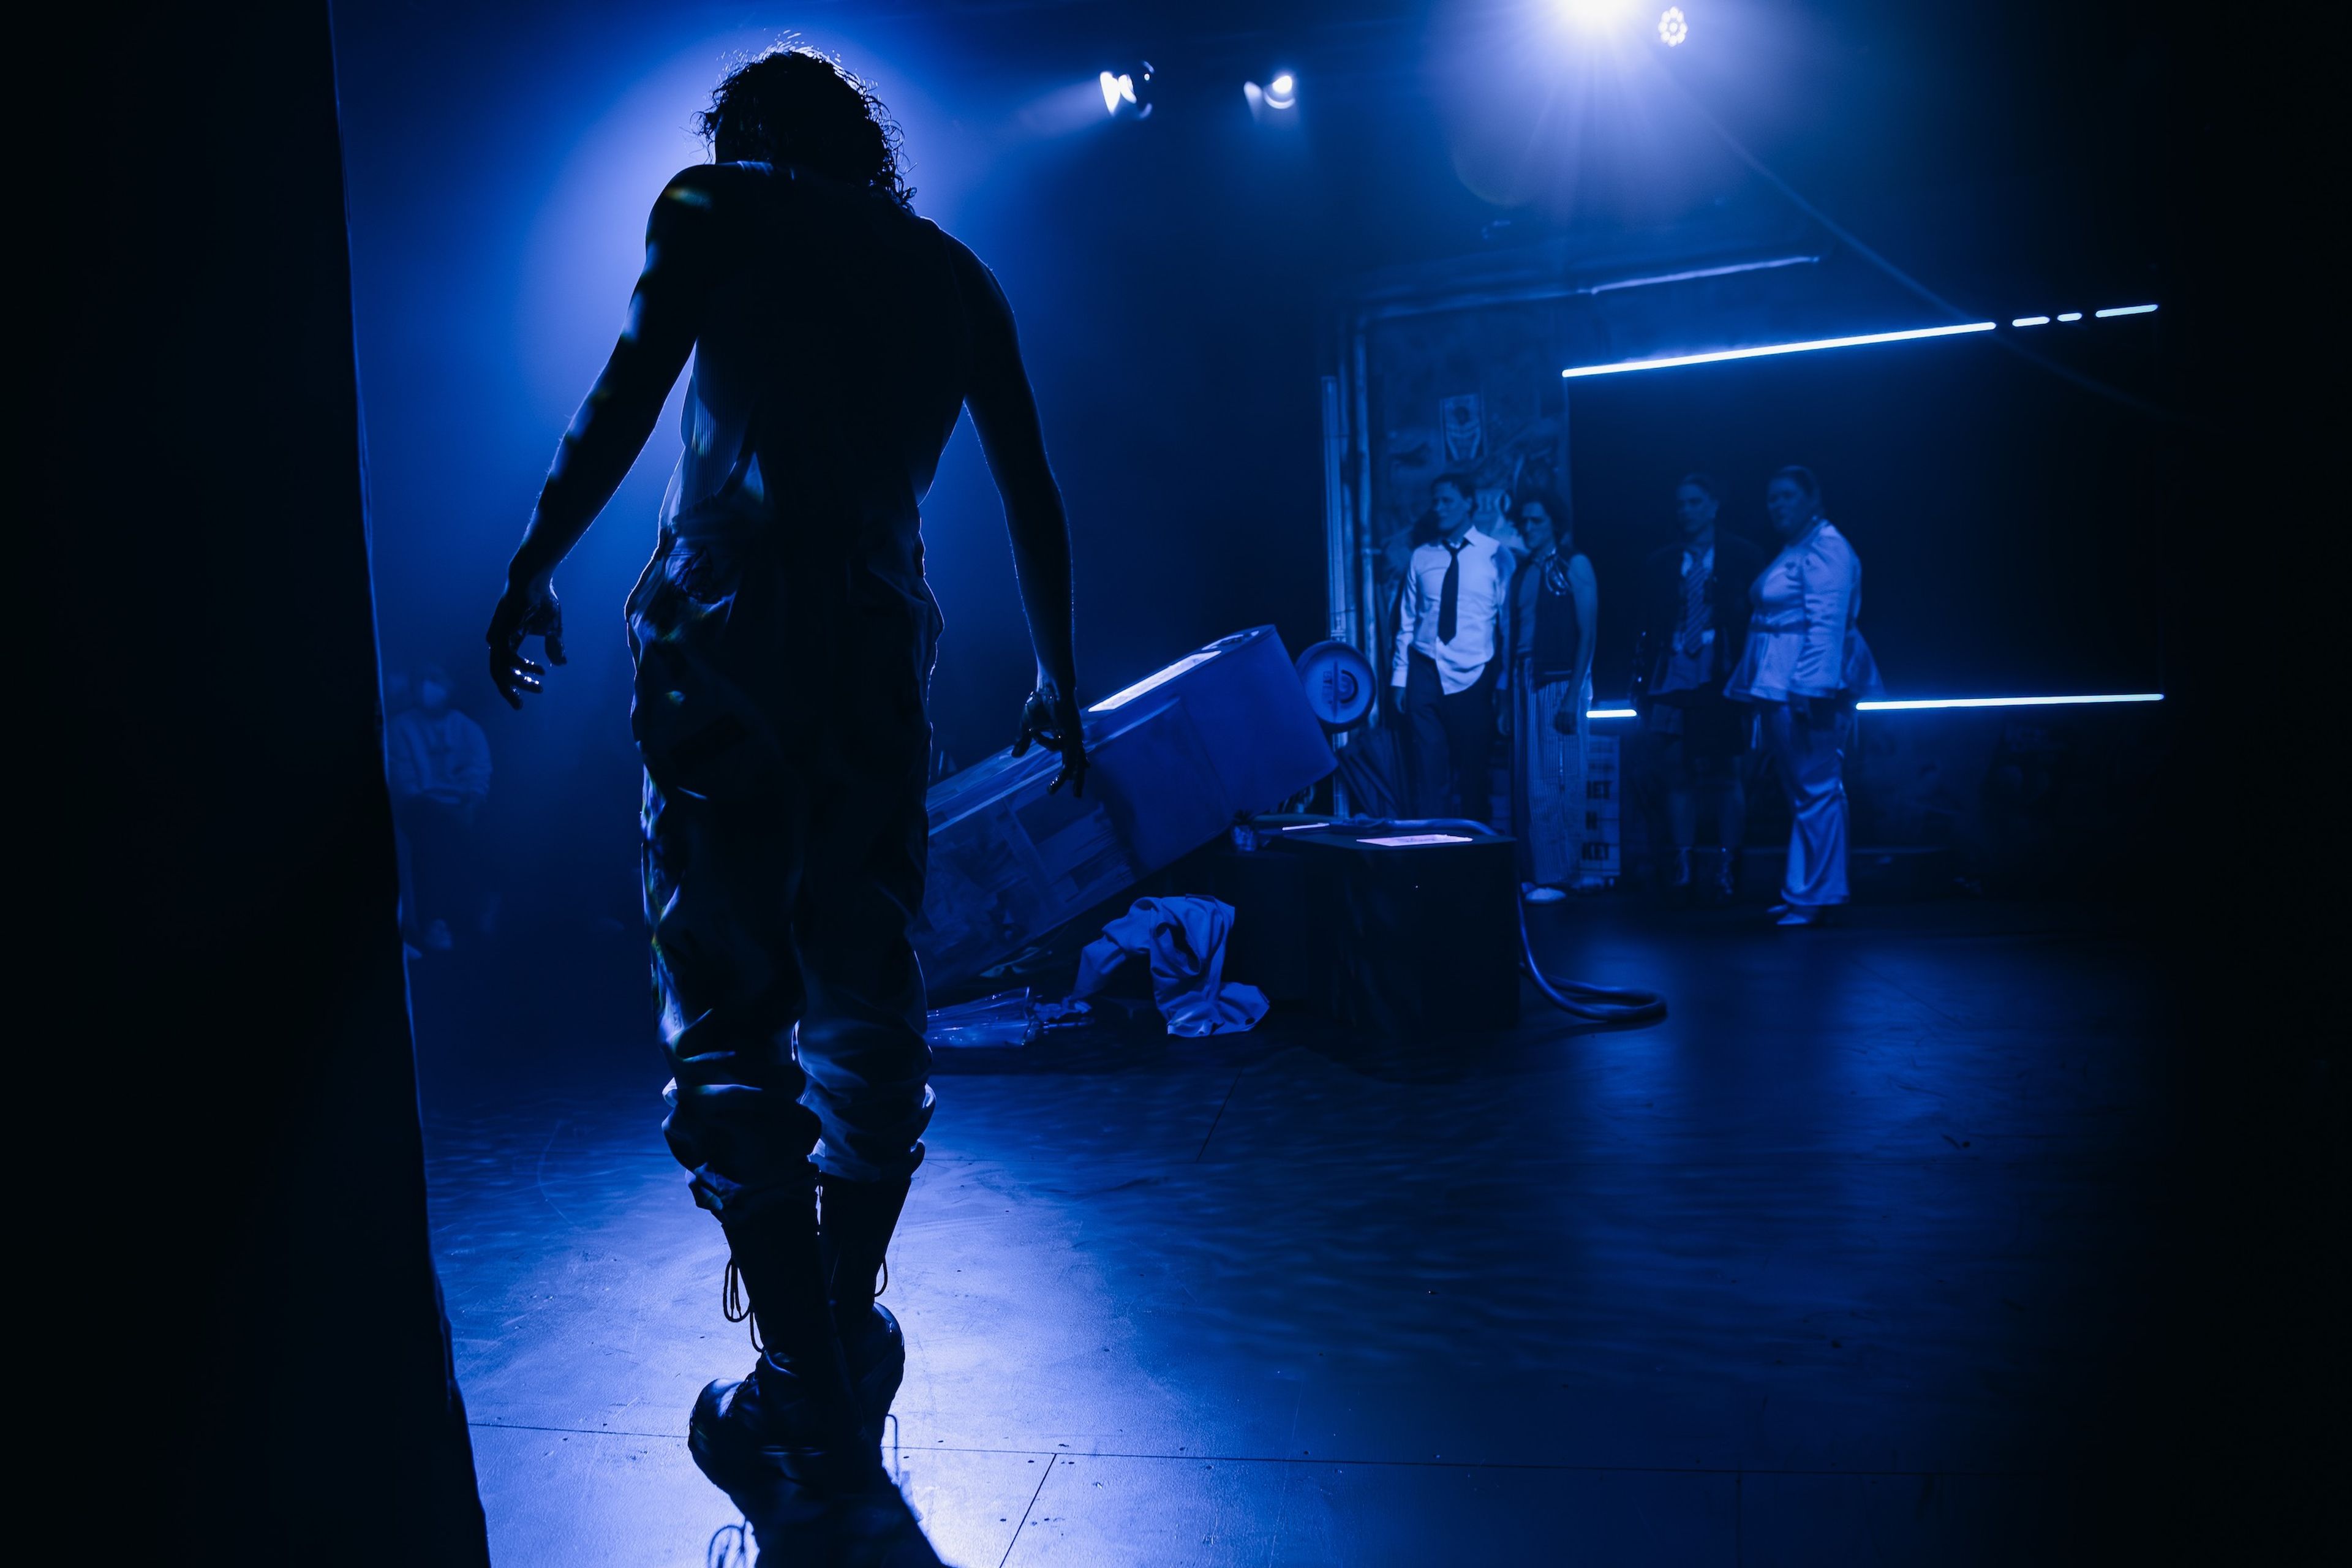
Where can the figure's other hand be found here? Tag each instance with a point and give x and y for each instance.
(525, 609)
(1050, 719)
(1503, 714)
(1565, 720)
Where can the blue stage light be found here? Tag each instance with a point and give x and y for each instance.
(2123, 311)
(1596, 14)
(1282, 92)
(1915, 705)
(1656, 277)
(1672, 26)
(1806, 347)
(1132, 87)
(2030, 321)
(2070, 315)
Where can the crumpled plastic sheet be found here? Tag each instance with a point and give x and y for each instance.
(1184, 939)
(1005, 1019)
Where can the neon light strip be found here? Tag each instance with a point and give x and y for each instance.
(1914, 705)
(2030, 321)
(1702, 272)
(2124, 310)
(1806, 347)
(2070, 315)
(2007, 701)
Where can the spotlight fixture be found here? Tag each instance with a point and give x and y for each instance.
(1132, 87)
(1280, 93)
(1672, 26)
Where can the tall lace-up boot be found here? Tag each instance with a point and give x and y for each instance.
(855, 1220)
(786, 1443)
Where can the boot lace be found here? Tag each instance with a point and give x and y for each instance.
(738, 1307)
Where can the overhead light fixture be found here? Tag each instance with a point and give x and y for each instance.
(1281, 93)
(2070, 315)
(1808, 346)
(2123, 311)
(1672, 26)
(1132, 87)
(2030, 321)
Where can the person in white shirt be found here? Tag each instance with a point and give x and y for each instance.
(1801, 670)
(1455, 587)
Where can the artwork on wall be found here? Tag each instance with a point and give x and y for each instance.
(1464, 421)
(1510, 435)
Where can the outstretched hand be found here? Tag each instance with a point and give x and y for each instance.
(1050, 719)
(525, 609)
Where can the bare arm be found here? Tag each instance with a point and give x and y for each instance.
(1004, 414)
(611, 428)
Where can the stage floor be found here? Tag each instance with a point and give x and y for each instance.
(1836, 1266)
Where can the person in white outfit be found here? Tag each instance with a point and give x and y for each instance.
(1801, 672)
(1552, 614)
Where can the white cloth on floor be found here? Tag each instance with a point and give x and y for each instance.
(1184, 938)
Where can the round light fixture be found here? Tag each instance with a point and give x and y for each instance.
(1672, 26)
(1130, 87)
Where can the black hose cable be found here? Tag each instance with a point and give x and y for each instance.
(1594, 1003)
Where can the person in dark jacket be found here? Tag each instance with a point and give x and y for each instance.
(1694, 610)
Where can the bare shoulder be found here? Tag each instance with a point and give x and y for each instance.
(979, 283)
(700, 188)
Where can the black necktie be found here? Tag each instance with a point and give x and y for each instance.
(1449, 597)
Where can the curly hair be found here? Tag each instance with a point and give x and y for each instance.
(792, 105)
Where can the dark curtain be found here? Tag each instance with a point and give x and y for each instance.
(223, 1093)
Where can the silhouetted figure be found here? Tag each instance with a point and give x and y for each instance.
(1554, 617)
(783, 635)
(1695, 617)
(1449, 617)
(1801, 669)
(439, 763)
